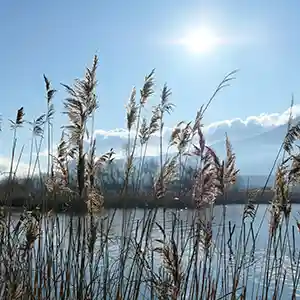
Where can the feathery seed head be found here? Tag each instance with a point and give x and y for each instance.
(20, 116)
(132, 109)
(50, 92)
(147, 89)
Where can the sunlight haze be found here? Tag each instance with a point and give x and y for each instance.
(201, 41)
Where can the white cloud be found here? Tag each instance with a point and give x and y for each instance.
(123, 133)
(119, 132)
(236, 128)
(5, 166)
(265, 120)
(44, 153)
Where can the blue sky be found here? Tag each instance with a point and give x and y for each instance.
(59, 38)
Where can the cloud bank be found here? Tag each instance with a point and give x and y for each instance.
(5, 167)
(265, 120)
(237, 129)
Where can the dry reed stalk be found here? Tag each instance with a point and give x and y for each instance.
(170, 287)
(145, 133)
(50, 92)
(165, 106)
(37, 131)
(80, 106)
(133, 120)
(14, 126)
(166, 177)
(54, 264)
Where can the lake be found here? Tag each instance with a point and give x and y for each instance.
(140, 229)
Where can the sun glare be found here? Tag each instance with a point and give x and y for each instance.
(202, 40)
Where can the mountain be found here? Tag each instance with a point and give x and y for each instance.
(255, 144)
(237, 130)
(256, 154)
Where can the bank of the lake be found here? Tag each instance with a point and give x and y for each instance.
(170, 201)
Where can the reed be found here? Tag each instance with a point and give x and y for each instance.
(142, 253)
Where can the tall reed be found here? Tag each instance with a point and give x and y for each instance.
(143, 253)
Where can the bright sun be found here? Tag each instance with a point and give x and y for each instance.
(200, 41)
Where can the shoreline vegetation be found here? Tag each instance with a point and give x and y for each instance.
(42, 257)
(147, 201)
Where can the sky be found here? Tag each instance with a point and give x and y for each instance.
(60, 38)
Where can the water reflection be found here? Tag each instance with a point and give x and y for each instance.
(120, 227)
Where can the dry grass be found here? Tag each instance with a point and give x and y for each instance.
(150, 253)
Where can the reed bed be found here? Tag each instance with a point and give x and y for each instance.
(149, 253)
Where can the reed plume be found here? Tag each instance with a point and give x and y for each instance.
(294, 172)
(95, 198)
(37, 131)
(281, 201)
(59, 183)
(14, 126)
(147, 89)
(207, 183)
(292, 135)
(169, 286)
(50, 92)
(181, 136)
(80, 106)
(228, 170)
(84, 258)
(32, 232)
(132, 110)
(165, 106)
(133, 120)
(145, 133)
(249, 209)
(19, 118)
(165, 177)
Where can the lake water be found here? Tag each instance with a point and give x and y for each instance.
(130, 224)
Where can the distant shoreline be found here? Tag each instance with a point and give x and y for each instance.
(234, 198)
(169, 202)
